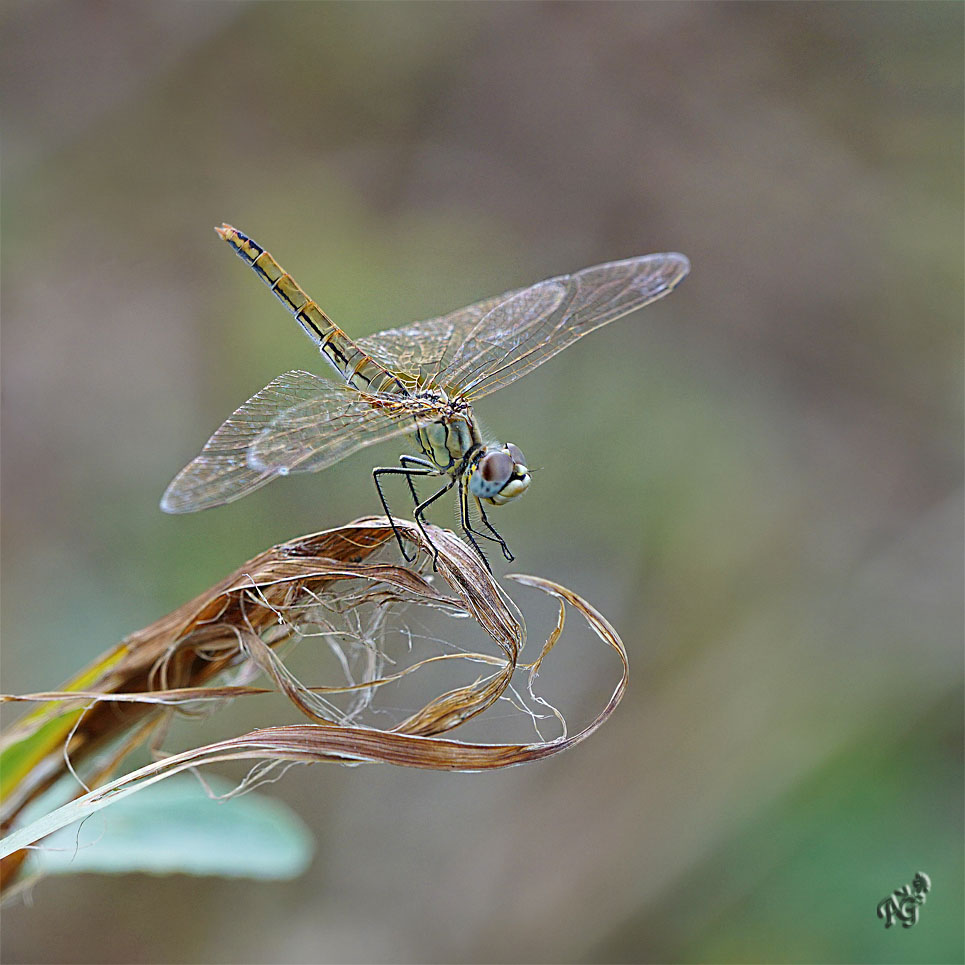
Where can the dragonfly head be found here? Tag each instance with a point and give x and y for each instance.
(499, 474)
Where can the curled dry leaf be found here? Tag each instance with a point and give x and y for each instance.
(334, 585)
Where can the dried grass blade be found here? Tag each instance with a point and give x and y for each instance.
(244, 616)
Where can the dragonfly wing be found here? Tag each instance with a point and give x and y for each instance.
(533, 324)
(324, 428)
(246, 452)
(423, 349)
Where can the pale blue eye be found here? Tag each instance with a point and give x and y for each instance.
(496, 468)
(492, 473)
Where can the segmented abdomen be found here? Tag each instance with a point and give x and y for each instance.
(345, 356)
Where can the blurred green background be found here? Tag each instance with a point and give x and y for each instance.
(758, 480)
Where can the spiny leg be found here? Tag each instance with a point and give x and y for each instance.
(425, 464)
(492, 529)
(408, 473)
(465, 520)
(420, 510)
(415, 461)
(472, 529)
(467, 527)
(467, 524)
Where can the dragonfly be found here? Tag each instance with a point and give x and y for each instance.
(419, 380)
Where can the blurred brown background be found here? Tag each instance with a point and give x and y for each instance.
(758, 480)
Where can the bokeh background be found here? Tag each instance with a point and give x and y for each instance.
(758, 480)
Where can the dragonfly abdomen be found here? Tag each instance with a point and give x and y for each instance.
(357, 368)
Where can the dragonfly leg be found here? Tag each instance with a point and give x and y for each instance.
(467, 526)
(492, 529)
(470, 532)
(420, 510)
(408, 473)
(415, 461)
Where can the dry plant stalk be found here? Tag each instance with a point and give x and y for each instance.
(209, 648)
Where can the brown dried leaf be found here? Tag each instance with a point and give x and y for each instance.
(236, 628)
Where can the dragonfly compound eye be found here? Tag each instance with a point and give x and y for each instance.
(499, 476)
(492, 472)
(518, 458)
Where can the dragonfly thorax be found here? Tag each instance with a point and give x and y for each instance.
(498, 474)
(447, 441)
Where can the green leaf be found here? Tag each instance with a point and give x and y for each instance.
(174, 826)
(43, 730)
(21, 756)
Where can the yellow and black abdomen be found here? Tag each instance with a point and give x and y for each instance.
(357, 368)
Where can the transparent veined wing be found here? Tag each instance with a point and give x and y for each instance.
(315, 433)
(493, 342)
(298, 423)
(423, 349)
(533, 324)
